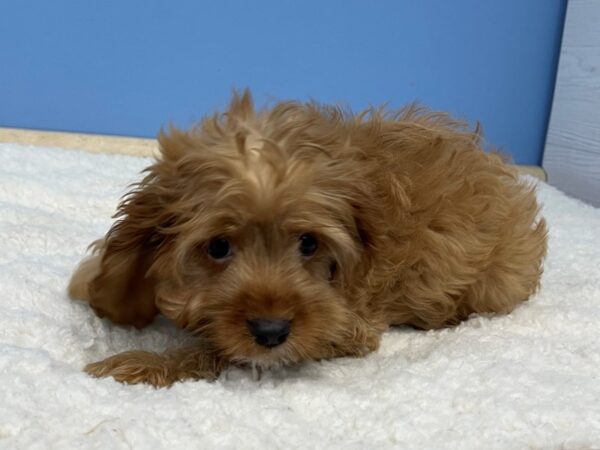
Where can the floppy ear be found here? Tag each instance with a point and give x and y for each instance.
(372, 210)
(368, 235)
(115, 280)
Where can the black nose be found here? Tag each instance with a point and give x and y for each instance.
(269, 333)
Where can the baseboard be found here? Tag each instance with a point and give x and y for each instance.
(534, 171)
(100, 143)
(93, 143)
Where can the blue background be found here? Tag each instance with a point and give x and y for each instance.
(128, 67)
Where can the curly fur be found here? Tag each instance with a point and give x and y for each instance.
(416, 225)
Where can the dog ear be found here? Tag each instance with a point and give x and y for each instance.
(372, 215)
(366, 232)
(122, 288)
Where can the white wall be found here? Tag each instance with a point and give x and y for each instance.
(572, 153)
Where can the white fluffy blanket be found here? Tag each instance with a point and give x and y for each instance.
(527, 380)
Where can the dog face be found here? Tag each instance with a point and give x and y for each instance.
(250, 229)
(261, 263)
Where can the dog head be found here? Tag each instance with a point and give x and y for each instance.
(251, 229)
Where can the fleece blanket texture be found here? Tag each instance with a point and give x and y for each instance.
(530, 379)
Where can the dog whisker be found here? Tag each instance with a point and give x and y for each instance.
(256, 372)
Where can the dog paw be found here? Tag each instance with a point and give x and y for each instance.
(133, 368)
(158, 370)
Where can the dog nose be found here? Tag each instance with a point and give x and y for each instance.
(269, 333)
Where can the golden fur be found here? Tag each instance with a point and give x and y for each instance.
(415, 224)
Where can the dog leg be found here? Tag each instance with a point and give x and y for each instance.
(159, 370)
(362, 339)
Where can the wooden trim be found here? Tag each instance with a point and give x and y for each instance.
(100, 143)
(93, 143)
(534, 171)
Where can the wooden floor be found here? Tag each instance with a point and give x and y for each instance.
(97, 143)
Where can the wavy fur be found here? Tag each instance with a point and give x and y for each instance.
(416, 224)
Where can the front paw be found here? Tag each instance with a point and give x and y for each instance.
(133, 368)
(159, 370)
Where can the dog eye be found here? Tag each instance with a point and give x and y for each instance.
(308, 244)
(219, 248)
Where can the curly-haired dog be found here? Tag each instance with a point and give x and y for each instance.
(301, 232)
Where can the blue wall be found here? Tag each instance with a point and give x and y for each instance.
(127, 67)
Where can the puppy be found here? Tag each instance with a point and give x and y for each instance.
(303, 232)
